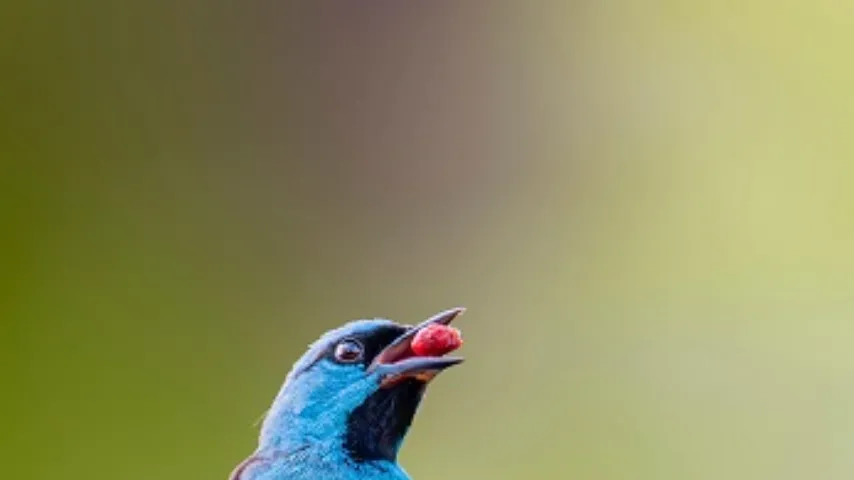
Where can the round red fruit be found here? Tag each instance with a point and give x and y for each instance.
(436, 340)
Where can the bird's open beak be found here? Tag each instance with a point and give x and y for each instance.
(397, 361)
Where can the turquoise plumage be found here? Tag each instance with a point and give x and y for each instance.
(346, 405)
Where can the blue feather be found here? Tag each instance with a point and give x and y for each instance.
(312, 406)
(337, 420)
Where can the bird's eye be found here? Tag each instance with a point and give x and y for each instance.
(348, 351)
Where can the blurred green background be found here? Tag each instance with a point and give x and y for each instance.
(646, 207)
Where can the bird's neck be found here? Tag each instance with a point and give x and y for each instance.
(296, 420)
(377, 427)
(318, 441)
(371, 430)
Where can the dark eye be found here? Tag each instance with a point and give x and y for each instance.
(348, 351)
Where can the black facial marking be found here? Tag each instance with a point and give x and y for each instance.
(374, 342)
(376, 428)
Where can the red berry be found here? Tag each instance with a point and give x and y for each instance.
(436, 340)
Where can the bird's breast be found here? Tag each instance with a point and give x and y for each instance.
(313, 464)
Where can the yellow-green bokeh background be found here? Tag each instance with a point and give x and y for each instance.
(647, 208)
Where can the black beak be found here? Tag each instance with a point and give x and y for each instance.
(397, 361)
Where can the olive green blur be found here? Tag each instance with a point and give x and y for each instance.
(648, 209)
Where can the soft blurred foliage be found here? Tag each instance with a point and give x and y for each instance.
(647, 208)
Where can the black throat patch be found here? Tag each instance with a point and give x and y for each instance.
(376, 428)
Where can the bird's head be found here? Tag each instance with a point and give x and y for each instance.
(358, 388)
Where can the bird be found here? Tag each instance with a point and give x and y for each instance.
(347, 404)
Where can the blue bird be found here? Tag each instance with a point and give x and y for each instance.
(346, 405)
